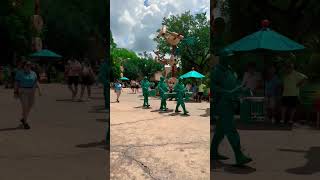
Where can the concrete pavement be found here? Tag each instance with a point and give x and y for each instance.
(278, 154)
(148, 144)
(64, 142)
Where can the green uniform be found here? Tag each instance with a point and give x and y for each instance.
(145, 91)
(226, 90)
(180, 90)
(163, 88)
(104, 79)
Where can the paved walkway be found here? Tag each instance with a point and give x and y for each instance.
(64, 142)
(278, 154)
(147, 144)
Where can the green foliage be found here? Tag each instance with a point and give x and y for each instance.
(135, 67)
(70, 25)
(194, 49)
(292, 18)
(15, 28)
(140, 67)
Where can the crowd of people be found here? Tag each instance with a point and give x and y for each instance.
(281, 91)
(25, 77)
(79, 73)
(200, 91)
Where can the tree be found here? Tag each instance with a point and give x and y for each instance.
(15, 29)
(140, 67)
(194, 49)
(74, 26)
(293, 18)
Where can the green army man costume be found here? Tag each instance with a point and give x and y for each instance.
(180, 90)
(104, 79)
(145, 91)
(226, 91)
(163, 88)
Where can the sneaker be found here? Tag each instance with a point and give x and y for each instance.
(282, 121)
(219, 157)
(243, 160)
(25, 124)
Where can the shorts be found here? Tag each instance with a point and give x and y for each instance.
(73, 80)
(118, 91)
(271, 102)
(27, 97)
(86, 81)
(290, 101)
(200, 93)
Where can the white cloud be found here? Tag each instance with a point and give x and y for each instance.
(134, 25)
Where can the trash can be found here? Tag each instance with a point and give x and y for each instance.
(252, 109)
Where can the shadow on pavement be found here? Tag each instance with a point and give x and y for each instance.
(20, 127)
(228, 168)
(98, 111)
(312, 165)
(157, 110)
(97, 98)
(64, 100)
(177, 114)
(262, 126)
(207, 114)
(102, 120)
(102, 144)
(174, 114)
(100, 107)
(165, 112)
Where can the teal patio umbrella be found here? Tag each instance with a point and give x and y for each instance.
(265, 40)
(192, 74)
(124, 79)
(45, 54)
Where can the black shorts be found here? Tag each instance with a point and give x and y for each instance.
(86, 80)
(73, 80)
(200, 93)
(290, 101)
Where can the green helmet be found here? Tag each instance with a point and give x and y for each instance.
(145, 78)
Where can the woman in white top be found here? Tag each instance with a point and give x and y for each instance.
(251, 78)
